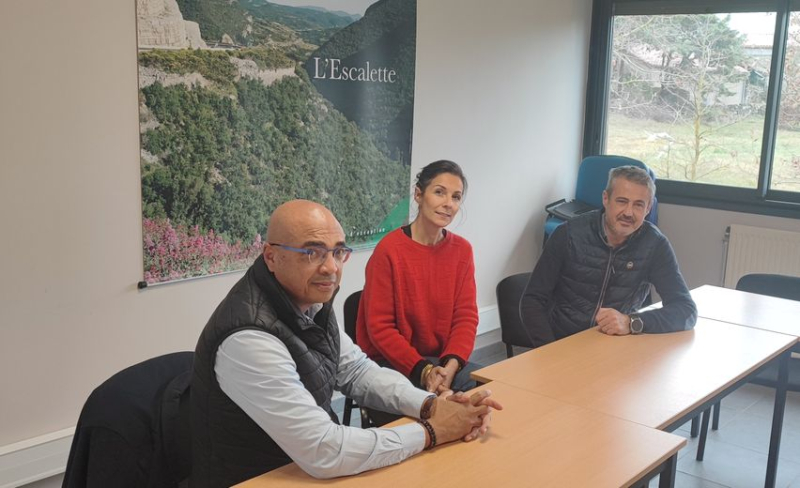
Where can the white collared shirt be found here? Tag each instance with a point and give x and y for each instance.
(257, 372)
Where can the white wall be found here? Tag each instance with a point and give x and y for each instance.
(697, 236)
(71, 215)
(500, 89)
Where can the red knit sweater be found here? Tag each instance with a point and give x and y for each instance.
(418, 301)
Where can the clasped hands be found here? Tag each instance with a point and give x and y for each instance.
(462, 416)
(439, 379)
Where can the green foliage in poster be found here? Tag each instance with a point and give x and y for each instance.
(213, 65)
(216, 18)
(224, 163)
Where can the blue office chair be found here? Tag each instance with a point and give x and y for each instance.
(592, 179)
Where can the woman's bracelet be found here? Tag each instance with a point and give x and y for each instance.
(425, 372)
(431, 433)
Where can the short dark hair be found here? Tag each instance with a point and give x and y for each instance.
(634, 174)
(434, 169)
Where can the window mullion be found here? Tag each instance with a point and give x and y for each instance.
(598, 77)
(773, 97)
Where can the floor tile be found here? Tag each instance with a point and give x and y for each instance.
(736, 467)
(495, 358)
(683, 480)
(746, 396)
(690, 449)
(753, 432)
(480, 355)
(795, 483)
(687, 427)
(764, 408)
(726, 415)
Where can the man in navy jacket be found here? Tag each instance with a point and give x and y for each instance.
(597, 269)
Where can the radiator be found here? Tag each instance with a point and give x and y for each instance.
(759, 250)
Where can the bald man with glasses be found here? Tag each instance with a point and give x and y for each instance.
(271, 355)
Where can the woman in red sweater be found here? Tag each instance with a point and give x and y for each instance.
(418, 312)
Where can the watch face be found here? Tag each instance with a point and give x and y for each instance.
(636, 325)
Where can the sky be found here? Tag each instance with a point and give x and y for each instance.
(758, 27)
(349, 6)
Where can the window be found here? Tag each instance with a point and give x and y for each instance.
(705, 93)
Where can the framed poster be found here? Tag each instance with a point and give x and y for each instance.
(245, 104)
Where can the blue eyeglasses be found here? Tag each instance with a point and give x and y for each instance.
(317, 254)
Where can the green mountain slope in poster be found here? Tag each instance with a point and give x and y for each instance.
(255, 22)
(386, 38)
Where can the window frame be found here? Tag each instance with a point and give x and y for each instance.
(759, 200)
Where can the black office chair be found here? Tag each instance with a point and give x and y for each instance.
(134, 429)
(509, 293)
(774, 285)
(350, 317)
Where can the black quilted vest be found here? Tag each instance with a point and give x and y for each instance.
(227, 446)
(594, 274)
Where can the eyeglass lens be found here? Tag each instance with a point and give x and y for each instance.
(318, 254)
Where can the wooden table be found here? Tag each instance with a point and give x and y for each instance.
(657, 380)
(757, 311)
(534, 441)
(748, 309)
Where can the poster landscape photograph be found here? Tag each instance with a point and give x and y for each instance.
(245, 104)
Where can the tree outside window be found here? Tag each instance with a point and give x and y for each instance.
(687, 95)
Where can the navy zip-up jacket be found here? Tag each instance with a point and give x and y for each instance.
(579, 272)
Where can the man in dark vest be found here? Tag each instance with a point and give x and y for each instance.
(597, 269)
(271, 355)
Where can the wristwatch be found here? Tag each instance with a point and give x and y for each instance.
(637, 325)
(427, 408)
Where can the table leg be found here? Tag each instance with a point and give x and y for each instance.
(695, 426)
(701, 445)
(777, 421)
(667, 478)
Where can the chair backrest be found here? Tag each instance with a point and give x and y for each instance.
(134, 430)
(775, 285)
(351, 314)
(593, 177)
(509, 293)
(176, 427)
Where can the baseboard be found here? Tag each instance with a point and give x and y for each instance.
(488, 319)
(35, 459)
